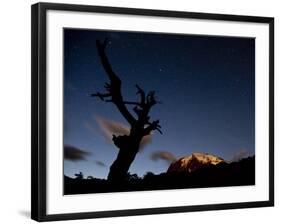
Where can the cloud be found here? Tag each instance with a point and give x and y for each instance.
(74, 154)
(90, 128)
(163, 155)
(100, 163)
(243, 153)
(109, 127)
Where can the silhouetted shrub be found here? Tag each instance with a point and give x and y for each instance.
(234, 174)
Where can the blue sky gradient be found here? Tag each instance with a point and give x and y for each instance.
(206, 85)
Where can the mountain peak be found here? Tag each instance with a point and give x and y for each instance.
(193, 162)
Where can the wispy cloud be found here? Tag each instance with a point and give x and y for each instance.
(110, 128)
(89, 126)
(74, 154)
(100, 163)
(163, 155)
(242, 153)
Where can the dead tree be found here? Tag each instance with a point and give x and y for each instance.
(140, 124)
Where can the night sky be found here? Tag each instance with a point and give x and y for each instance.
(206, 85)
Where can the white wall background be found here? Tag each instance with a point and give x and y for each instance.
(15, 109)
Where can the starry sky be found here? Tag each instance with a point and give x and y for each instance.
(206, 85)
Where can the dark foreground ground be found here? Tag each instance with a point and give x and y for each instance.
(233, 174)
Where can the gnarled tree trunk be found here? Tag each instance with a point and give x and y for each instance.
(140, 126)
(128, 149)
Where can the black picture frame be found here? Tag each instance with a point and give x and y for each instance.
(39, 122)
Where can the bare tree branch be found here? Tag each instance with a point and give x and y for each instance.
(100, 95)
(151, 127)
(114, 95)
(105, 62)
(128, 144)
(142, 95)
(114, 87)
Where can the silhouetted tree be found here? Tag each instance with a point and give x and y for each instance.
(132, 177)
(148, 175)
(140, 124)
(79, 175)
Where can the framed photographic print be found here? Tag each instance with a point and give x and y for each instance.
(138, 111)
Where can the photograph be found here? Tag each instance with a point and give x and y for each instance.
(168, 111)
(146, 111)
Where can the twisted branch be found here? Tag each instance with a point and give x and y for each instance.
(114, 95)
